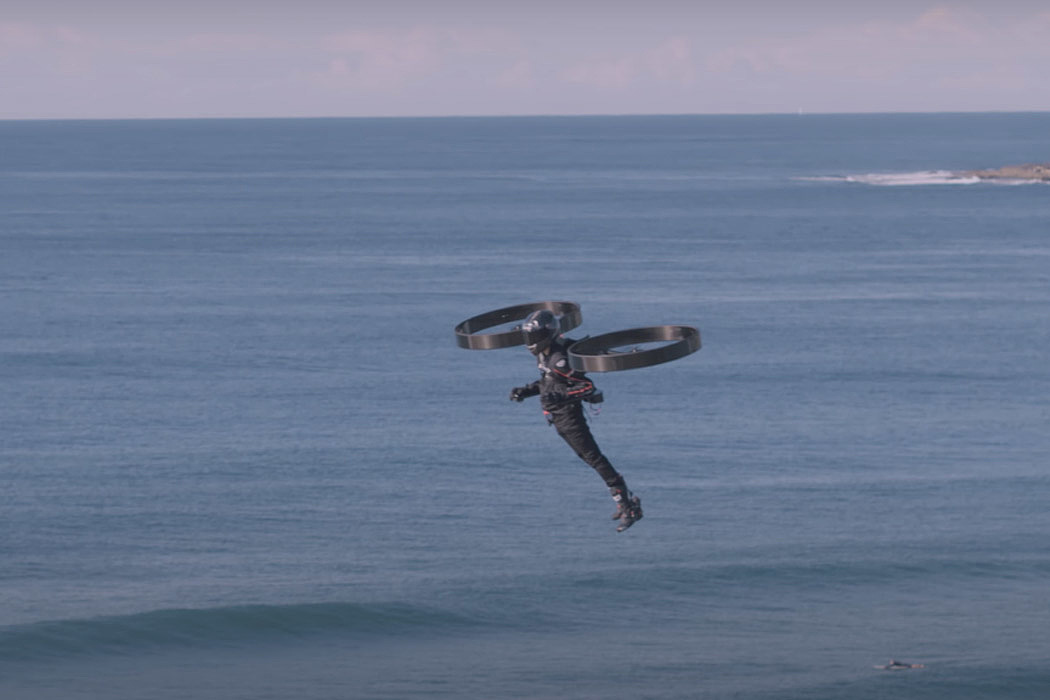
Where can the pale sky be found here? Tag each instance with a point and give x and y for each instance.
(294, 58)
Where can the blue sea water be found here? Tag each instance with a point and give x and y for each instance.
(243, 457)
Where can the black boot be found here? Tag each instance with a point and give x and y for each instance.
(628, 507)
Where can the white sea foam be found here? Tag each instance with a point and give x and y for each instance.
(922, 177)
(918, 178)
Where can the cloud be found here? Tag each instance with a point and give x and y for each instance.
(381, 57)
(219, 42)
(668, 62)
(672, 61)
(22, 38)
(941, 37)
(386, 60)
(605, 73)
(41, 49)
(686, 59)
(944, 24)
(942, 59)
(519, 76)
(19, 36)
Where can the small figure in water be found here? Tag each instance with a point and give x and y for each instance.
(895, 665)
(562, 390)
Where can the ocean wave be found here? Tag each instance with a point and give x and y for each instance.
(221, 626)
(922, 177)
(917, 179)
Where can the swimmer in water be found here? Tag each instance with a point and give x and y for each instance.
(895, 665)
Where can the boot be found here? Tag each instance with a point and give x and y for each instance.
(628, 507)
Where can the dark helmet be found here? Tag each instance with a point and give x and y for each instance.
(539, 329)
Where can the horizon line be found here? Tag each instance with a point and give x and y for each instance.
(320, 117)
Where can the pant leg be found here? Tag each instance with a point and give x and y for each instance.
(571, 424)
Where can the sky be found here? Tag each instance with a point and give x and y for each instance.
(72, 59)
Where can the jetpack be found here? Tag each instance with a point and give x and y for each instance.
(608, 352)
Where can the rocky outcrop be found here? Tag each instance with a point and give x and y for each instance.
(1013, 172)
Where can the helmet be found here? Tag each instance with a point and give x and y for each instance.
(539, 329)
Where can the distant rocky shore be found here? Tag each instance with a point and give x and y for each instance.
(1012, 172)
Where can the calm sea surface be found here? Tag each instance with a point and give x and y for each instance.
(241, 455)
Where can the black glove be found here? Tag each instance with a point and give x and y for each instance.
(518, 393)
(594, 396)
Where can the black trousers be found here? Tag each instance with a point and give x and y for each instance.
(571, 424)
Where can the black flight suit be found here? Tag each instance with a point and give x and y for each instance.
(562, 391)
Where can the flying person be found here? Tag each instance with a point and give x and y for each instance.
(562, 391)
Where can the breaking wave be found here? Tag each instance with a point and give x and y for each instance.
(923, 177)
(918, 178)
(222, 626)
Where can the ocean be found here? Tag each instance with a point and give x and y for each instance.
(242, 455)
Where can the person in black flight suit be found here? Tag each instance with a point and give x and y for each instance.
(562, 390)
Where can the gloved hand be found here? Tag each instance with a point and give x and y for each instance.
(594, 396)
(518, 394)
